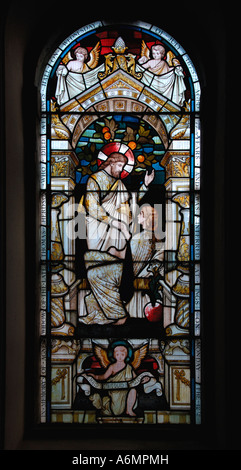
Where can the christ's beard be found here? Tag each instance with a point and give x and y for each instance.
(116, 174)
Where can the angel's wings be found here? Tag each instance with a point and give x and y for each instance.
(145, 51)
(94, 56)
(139, 355)
(170, 58)
(67, 58)
(101, 354)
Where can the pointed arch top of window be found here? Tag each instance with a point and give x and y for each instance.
(86, 58)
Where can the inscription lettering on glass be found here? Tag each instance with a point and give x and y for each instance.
(120, 304)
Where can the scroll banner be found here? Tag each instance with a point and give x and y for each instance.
(149, 386)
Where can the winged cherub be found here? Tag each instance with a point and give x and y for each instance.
(157, 64)
(169, 80)
(120, 379)
(70, 81)
(78, 64)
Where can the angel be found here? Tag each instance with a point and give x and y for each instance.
(120, 378)
(156, 65)
(70, 72)
(171, 80)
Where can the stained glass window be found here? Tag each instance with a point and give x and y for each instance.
(120, 304)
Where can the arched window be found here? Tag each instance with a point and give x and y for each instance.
(120, 309)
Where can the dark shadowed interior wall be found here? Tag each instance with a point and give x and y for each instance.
(30, 33)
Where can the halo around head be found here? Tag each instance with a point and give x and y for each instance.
(120, 343)
(112, 147)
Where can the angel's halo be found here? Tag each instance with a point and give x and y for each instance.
(116, 343)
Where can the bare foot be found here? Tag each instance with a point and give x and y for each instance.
(121, 321)
(130, 413)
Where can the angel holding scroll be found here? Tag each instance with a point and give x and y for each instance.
(120, 379)
(170, 77)
(70, 80)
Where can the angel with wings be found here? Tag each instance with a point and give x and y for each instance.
(170, 77)
(157, 64)
(70, 81)
(120, 378)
